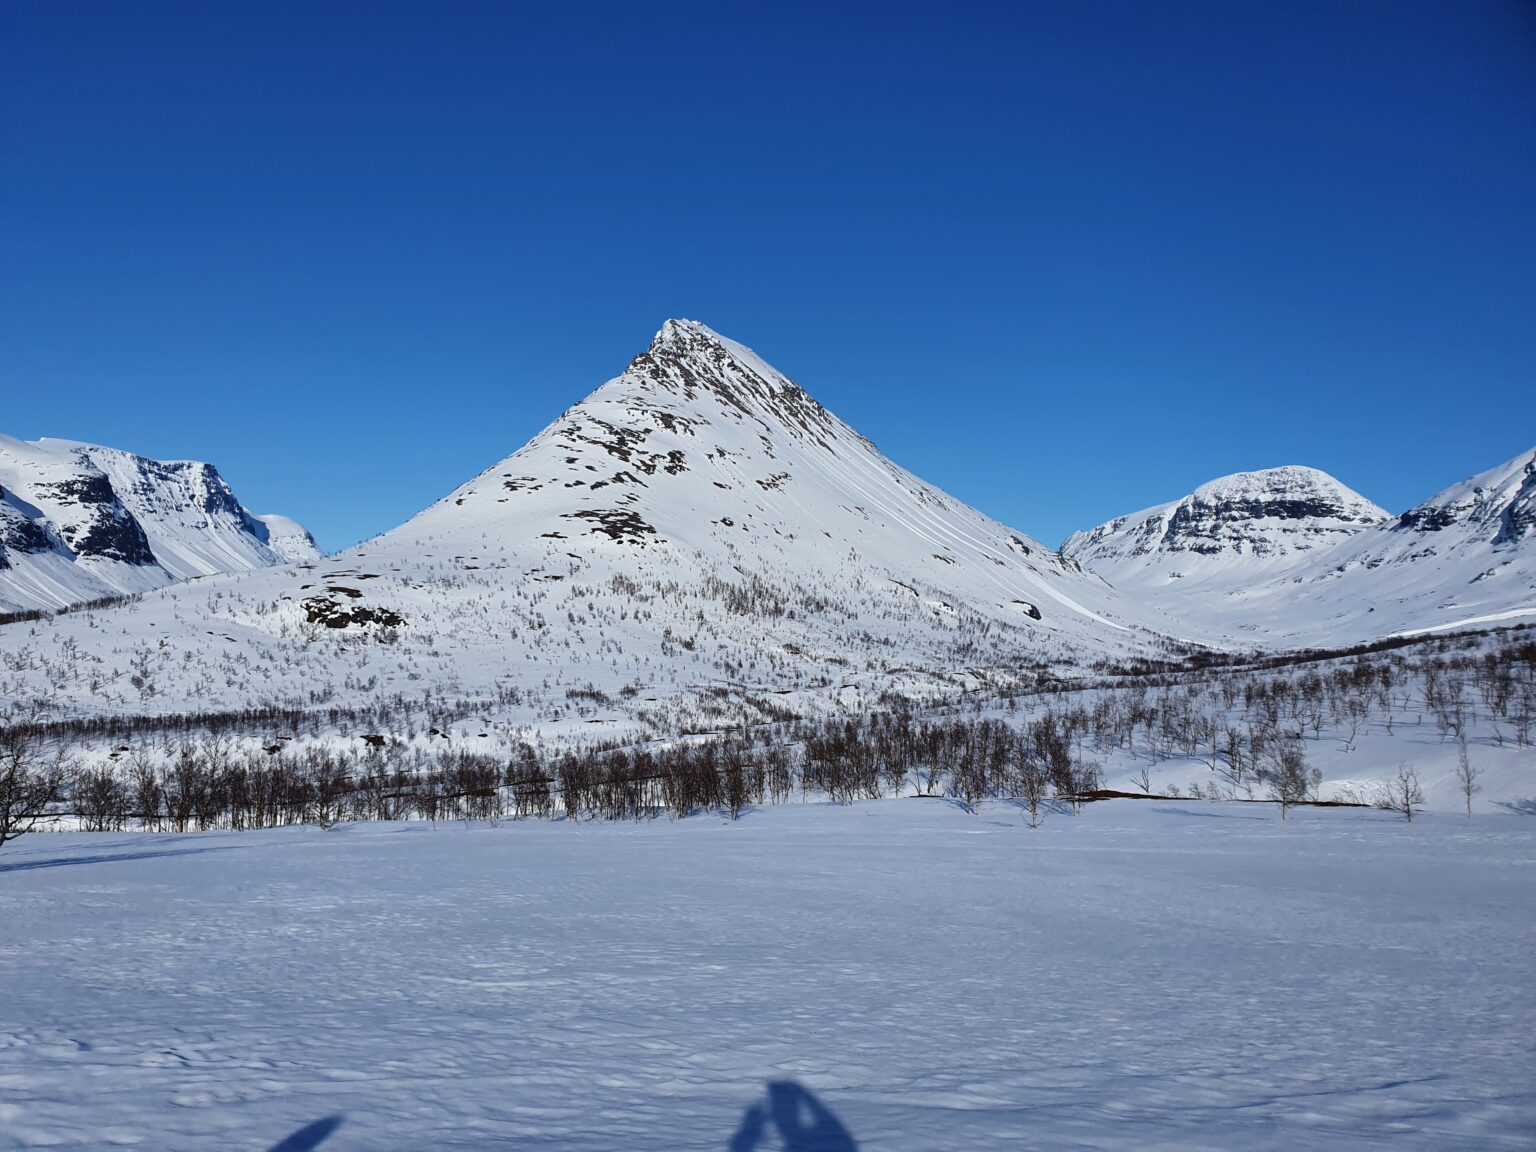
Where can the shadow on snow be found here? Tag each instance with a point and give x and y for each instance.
(309, 1137)
(803, 1124)
(106, 858)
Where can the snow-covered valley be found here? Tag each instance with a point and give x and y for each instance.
(696, 777)
(699, 547)
(700, 521)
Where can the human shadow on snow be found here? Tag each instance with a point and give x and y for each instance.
(105, 858)
(803, 1122)
(309, 1137)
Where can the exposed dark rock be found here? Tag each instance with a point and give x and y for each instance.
(20, 533)
(1206, 528)
(616, 524)
(111, 532)
(686, 360)
(1428, 518)
(322, 610)
(1519, 518)
(91, 489)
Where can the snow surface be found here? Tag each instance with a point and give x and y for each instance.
(1147, 975)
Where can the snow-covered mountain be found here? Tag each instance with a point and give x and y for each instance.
(1496, 508)
(699, 541)
(1290, 556)
(79, 521)
(698, 526)
(703, 463)
(1248, 522)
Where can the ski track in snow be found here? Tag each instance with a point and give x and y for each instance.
(1152, 975)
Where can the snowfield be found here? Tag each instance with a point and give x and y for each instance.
(1145, 975)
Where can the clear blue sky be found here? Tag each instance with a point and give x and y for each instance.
(1063, 259)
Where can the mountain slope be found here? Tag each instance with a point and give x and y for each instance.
(1291, 557)
(702, 503)
(80, 521)
(701, 449)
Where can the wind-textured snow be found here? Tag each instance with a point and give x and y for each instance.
(79, 522)
(1145, 976)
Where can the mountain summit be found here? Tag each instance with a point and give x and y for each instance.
(687, 358)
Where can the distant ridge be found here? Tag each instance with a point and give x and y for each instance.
(1290, 556)
(80, 521)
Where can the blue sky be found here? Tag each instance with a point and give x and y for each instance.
(1063, 259)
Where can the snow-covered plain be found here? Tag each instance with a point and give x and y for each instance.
(1145, 975)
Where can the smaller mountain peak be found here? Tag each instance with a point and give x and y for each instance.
(1501, 500)
(1293, 482)
(1267, 514)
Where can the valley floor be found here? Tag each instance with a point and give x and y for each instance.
(1146, 975)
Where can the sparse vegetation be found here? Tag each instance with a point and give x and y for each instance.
(729, 750)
